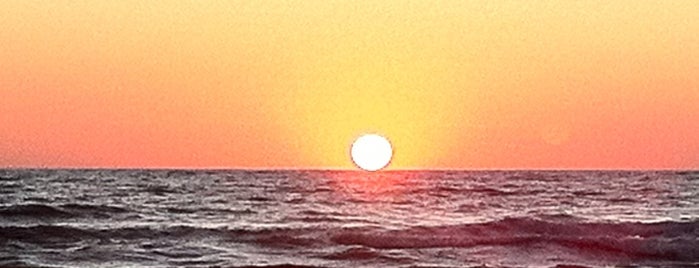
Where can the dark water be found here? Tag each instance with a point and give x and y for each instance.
(132, 218)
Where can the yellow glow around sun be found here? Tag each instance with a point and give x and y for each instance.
(371, 152)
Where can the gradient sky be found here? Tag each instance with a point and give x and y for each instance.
(290, 84)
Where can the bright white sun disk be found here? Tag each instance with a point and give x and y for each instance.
(371, 152)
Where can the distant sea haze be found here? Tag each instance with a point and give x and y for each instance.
(306, 218)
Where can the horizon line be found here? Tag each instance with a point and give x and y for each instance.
(437, 169)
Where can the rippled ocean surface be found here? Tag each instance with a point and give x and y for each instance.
(229, 218)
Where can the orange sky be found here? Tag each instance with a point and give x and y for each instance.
(290, 84)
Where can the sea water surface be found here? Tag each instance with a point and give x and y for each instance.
(238, 218)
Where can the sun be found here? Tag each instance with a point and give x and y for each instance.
(371, 152)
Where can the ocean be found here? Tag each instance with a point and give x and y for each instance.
(315, 218)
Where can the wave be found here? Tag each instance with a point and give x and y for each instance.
(277, 266)
(39, 211)
(677, 241)
(12, 177)
(49, 234)
(360, 253)
(657, 241)
(13, 261)
(216, 211)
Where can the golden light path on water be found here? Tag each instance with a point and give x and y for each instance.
(398, 198)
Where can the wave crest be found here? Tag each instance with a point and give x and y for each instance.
(675, 241)
(38, 211)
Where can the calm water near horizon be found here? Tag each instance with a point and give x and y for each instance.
(307, 218)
